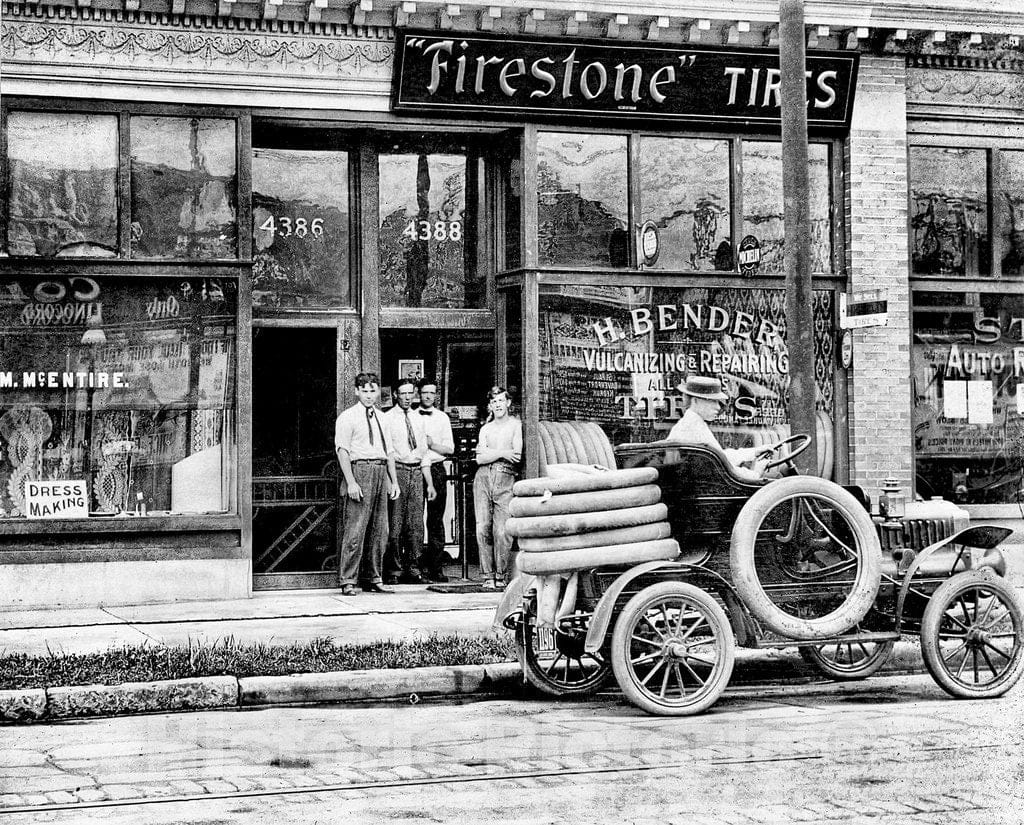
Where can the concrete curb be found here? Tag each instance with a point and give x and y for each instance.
(753, 667)
(358, 685)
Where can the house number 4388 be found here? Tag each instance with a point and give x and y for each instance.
(433, 230)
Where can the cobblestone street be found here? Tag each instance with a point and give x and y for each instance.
(892, 750)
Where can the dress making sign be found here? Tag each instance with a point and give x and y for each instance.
(534, 77)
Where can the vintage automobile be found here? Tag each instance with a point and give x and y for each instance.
(795, 561)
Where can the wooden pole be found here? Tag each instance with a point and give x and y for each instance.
(796, 215)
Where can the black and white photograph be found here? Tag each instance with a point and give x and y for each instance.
(516, 412)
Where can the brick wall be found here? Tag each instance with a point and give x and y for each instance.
(876, 220)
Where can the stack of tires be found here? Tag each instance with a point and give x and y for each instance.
(582, 521)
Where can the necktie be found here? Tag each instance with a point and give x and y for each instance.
(369, 424)
(412, 436)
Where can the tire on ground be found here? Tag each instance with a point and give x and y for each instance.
(585, 502)
(940, 664)
(602, 538)
(585, 558)
(572, 523)
(744, 567)
(601, 443)
(572, 439)
(610, 480)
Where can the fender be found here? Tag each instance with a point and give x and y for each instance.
(512, 599)
(601, 620)
(981, 536)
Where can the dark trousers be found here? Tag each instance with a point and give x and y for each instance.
(434, 557)
(406, 533)
(365, 532)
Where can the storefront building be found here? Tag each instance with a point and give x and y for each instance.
(217, 213)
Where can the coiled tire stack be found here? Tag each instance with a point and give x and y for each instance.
(584, 521)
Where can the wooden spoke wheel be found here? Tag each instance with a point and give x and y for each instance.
(972, 636)
(555, 662)
(848, 661)
(673, 650)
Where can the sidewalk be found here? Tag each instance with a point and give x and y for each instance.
(274, 617)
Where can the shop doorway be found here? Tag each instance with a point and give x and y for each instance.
(463, 365)
(295, 475)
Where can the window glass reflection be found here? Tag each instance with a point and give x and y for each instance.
(968, 433)
(763, 204)
(300, 218)
(949, 212)
(1011, 204)
(183, 188)
(128, 388)
(684, 188)
(63, 184)
(426, 242)
(582, 198)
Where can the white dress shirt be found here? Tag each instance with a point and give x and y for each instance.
(398, 436)
(438, 426)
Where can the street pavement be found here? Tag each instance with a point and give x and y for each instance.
(889, 751)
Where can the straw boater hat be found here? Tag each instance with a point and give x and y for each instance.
(700, 386)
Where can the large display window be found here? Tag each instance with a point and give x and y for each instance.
(618, 355)
(427, 230)
(701, 205)
(301, 229)
(969, 395)
(118, 396)
(62, 179)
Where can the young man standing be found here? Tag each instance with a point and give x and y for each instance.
(498, 452)
(408, 441)
(369, 473)
(440, 445)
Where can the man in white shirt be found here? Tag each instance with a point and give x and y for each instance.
(706, 399)
(440, 445)
(363, 453)
(408, 440)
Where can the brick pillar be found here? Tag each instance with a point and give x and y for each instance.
(881, 440)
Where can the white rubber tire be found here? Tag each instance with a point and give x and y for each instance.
(572, 523)
(744, 567)
(609, 480)
(592, 502)
(587, 558)
(602, 538)
(641, 691)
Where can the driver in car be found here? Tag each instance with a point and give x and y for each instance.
(706, 397)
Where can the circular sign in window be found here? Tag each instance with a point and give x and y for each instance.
(750, 255)
(649, 243)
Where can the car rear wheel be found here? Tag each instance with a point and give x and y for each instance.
(673, 650)
(972, 636)
(848, 661)
(555, 662)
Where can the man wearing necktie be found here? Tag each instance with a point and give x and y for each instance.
(440, 445)
(408, 440)
(364, 453)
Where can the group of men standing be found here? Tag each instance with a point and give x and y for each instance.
(395, 456)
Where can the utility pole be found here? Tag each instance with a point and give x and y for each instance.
(796, 216)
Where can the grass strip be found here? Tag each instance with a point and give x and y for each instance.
(229, 657)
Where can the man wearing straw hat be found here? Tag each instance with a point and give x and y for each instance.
(706, 398)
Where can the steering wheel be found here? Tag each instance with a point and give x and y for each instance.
(802, 441)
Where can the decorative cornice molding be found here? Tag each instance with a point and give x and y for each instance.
(965, 89)
(127, 45)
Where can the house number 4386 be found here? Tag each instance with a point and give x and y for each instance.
(299, 227)
(433, 230)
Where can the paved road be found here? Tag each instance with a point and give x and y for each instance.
(893, 750)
